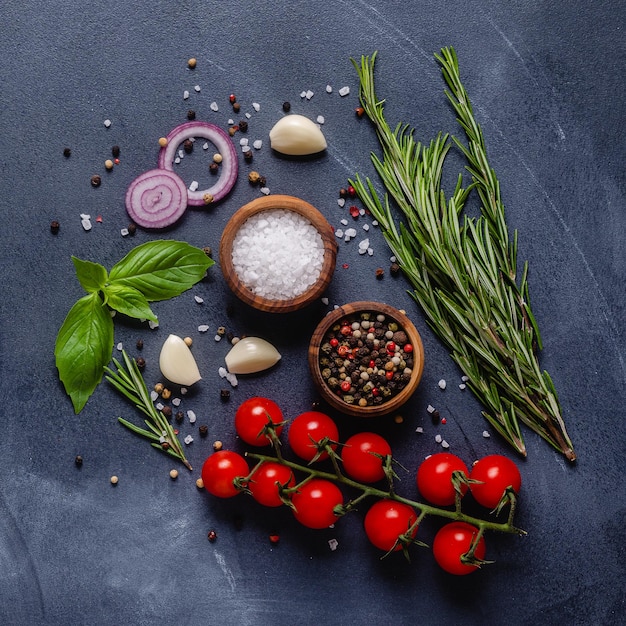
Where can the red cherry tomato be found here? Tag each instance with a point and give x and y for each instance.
(386, 520)
(434, 478)
(314, 503)
(453, 541)
(495, 473)
(264, 483)
(363, 456)
(308, 429)
(220, 470)
(252, 416)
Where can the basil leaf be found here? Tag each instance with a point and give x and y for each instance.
(92, 276)
(129, 301)
(161, 269)
(83, 347)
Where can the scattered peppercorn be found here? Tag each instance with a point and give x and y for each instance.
(263, 181)
(394, 269)
(199, 483)
(141, 362)
(162, 142)
(179, 417)
(236, 107)
(351, 191)
(208, 251)
(359, 111)
(165, 445)
(224, 394)
(212, 536)
(191, 115)
(188, 146)
(54, 227)
(167, 411)
(132, 229)
(248, 156)
(380, 272)
(191, 64)
(114, 480)
(115, 151)
(188, 341)
(67, 153)
(343, 193)
(96, 180)
(108, 165)
(435, 416)
(173, 474)
(286, 107)
(78, 461)
(232, 130)
(158, 387)
(232, 98)
(243, 126)
(253, 177)
(274, 538)
(139, 344)
(214, 168)
(203, 430)
(217, 158)
(217, 446)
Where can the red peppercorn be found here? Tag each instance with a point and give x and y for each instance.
(359, 111)
(232, 98)
(408, 348)
(274, 539)
(444, 420)
(343, 351)
(375, 392)
(346, 385)
(354, 211)
(389, 375)
(372, 364)
(391, 347)
(346, 331)
(334, 342)
(351, 191)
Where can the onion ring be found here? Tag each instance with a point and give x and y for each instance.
(156, 198)
(224, 146)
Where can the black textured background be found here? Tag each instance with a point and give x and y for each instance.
(546, 82)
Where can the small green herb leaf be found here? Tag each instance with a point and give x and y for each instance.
(83, 347)
(161, 269)
(92, 276)
(128, 300)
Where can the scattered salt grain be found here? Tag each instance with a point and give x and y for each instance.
(486, 434)
(442, 384)
(462, 386)
(419, 430)
(339, 233)
(430, 408)
(278, 254)
(248, 116)
(445, 444)
(192, 416)
(197, 88)
(464, 378)
(325, 301)
(213, 106)
(438, 438)
(366, 227)
(205, 145)
(183, 391)
(350, 233)
(86, 223)
(309, 94)
(124, 232)
(198, 299)
(185, 95)
(153, 396)
(203, 328)
(341, 202)
(218, 337)
(181, 154)
(344, 91)
(177, 160)
(329, 89)
(152, 325)
(344, 222)
(265, 191)
(120, 346)
(188, 439)
(257, 144)
(176, 401)
(243, 141)
(193, 186)
(159, 406)
(320, 119)
(107, 123)
(332, 544)
(256, 106)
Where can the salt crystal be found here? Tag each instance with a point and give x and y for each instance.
(258, 144)
(341, 202)
(197, 87)
(198, 299)
(243, 141)
(176, 401)
(374, 222)
(419, 429)
(86, 224)
(153, 396)
(364, 244)
(177, 160)
(222, 371)
(486, 434)
(464, 378)
(303, 94)
(370, 251)
(332, 544)
(320, 119)
(124, 232)
(192, 416)
(309, 94)
(205, 145)
(438, 438)
(181, 154)
(193, 186)
(462, 386)
(344, 91)
(159, 406)
(445, 444)
(107, 123)
(265, 191)
(203, 328)
(162, 439)
(366, 227)
(329, 89)
(248, 116)
(246, 148)
(185, 94)
(213, 106)
(344, 222)
(183, 391)
(392, 258)
(232, 379)
(339, 233)
(325, 301)
(152, 325)
(120, 346)
(188, 439)
(256, 106)
(442, 384)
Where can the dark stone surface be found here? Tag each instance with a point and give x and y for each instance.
(546, 82)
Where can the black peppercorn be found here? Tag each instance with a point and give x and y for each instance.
(188, 146)
(141, 362)
(248, 156)
(214, 168)
(236, 107)
(139, 344)
(54, 227)
(243, 126)
(225, 394)
(179, 417)
(394, 268)
(208, 251)
(167, 411)
(191, 115)
(212, 536)
(262, 181)
(78, 461)
(380, 272)
(203, 430)
(67, 153)
(286, 107)
(96, 180)
(115, 151)
(132, 229)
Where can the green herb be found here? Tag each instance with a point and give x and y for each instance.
(153, 271)
(462, 269)
(130, 383)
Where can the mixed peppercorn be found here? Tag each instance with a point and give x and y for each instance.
(366, 360)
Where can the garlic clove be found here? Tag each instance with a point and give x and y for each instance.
(296, 135)
(250, 355)
(177, 363)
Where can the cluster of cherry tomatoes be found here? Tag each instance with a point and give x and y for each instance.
(390, 524)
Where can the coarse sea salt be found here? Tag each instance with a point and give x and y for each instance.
(278, 254)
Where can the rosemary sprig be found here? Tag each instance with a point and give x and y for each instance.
(130, 383)
(463, 270)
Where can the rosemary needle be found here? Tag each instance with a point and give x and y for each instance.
(128, 380)
(463, 270)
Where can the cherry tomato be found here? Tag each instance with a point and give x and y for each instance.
(252, 416)
(314, 503)
(451, 542)
(434, 478)
(219, 471)
(308, 429)
(360, 456)
(386, 520)
(263, 484)
(496, 473)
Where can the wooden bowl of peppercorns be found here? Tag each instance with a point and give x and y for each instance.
(366, 358)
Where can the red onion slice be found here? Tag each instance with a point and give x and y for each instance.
(156, 198)
(224, 145)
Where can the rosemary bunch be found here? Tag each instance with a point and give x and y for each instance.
(463, 270)
(130, 383)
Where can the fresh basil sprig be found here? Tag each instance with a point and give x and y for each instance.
(157, 270)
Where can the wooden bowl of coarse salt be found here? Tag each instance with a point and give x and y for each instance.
(366, 358)
(278, 253)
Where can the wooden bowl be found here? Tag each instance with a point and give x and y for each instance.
(351, 312)
(268, 203)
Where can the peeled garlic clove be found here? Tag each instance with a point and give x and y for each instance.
(296, 135)
(250, 355)
(177, 363)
